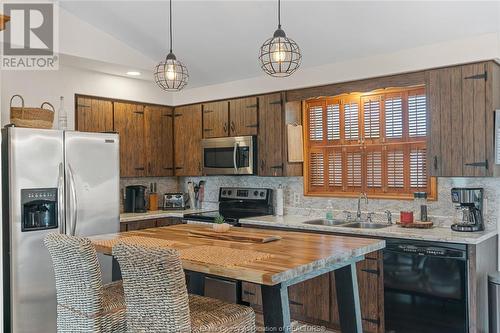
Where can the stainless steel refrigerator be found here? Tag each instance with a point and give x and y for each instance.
(52, 181)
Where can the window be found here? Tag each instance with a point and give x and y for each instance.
(373, 143)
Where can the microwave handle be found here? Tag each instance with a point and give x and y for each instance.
(235, 152)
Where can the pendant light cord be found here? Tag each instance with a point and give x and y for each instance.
(170, 26)
(279, 14)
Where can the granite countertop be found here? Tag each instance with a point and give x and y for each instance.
(438, 234)
(158, 214)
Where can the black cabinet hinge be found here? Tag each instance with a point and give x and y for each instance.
(251, 106)
(483, 76)
(371, 271)
(275, 102)
(373, 321)
(292, 302)
(478, 164)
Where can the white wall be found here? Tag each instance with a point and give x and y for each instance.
(483, 47)
(39, 86)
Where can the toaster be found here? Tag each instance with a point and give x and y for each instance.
(174, 201)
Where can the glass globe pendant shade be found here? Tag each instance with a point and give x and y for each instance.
(171, 74)
(280, 56)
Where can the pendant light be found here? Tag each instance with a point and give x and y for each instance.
(279, 55)
(171, 74)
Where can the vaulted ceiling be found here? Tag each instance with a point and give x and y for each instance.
(219, 40)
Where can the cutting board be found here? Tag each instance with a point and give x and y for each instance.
(233, 235)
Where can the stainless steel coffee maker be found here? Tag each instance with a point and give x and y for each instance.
(470, 202)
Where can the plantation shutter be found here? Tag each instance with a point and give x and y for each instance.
(393, 109)
(351, 121)
(373, 143)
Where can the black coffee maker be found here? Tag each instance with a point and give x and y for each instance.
(470, 202)
(135, 199)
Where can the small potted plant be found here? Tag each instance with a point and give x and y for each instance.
(220, 225)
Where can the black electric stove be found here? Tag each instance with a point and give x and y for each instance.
(237, 203)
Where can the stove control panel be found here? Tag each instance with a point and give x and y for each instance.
(236, 193)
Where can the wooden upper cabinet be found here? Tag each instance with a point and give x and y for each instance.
(243, 118)
(159, 140)
(129, 123)
(461, 120)
(187, 138)
(270, 138)
(215, 119)
(94, 115)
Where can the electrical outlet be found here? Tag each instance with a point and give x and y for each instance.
(296, 199)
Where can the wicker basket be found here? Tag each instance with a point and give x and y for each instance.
(31, 117)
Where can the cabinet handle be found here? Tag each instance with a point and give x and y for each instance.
(478, 164)
(225, 127)
(371, 271)
(435, 162)
(139, 168)
(295, 303)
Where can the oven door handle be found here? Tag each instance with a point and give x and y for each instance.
(235, 152)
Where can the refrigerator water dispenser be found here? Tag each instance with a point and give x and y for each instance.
(38, 209)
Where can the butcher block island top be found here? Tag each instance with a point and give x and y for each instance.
(292, 256)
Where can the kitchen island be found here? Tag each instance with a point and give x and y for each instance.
(294, 258)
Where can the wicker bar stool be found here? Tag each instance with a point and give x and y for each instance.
(158, 301)
(83, 303)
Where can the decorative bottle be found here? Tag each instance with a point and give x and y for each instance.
(62, 116)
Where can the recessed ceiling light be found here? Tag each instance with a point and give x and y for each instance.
(134, 73)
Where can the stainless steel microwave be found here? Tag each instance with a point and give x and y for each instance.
(229, 156)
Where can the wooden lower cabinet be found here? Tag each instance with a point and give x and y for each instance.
(314, 301)
(150, 223)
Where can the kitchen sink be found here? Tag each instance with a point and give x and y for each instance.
(365, 225)
(326, 222)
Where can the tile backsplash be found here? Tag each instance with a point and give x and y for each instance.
(164, 185)
(441, 211)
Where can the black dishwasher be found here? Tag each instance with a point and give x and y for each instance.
(425, 285)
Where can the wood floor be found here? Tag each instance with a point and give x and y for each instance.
(297, 327)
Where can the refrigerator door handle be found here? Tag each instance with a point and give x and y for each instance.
(74, 201)
(60, 199)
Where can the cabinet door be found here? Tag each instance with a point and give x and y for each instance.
(187, 138)
(270, 138)
(371, 294)
(243, 116)
(460, 125)
(310, 300)
(215, 119)
(477, 133)
(94, 115)
(129, 123)
(159, 140)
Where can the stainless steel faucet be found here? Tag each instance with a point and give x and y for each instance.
(358, 213)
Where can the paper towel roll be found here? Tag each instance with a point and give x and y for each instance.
(279, 201)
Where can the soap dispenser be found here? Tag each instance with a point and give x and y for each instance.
(329, 212)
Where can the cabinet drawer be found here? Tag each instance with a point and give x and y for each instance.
(144, 224)
(168, 221)
(250, 292)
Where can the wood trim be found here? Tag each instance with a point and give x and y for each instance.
(3, 21)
